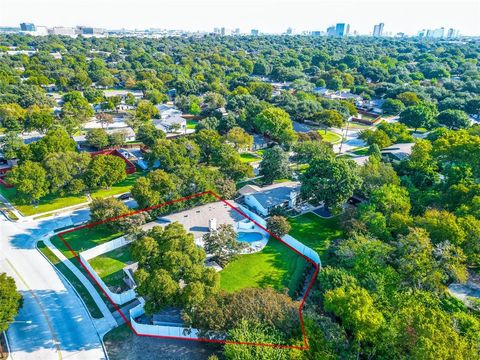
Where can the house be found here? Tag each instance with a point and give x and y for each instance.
(127, 131)
(137, 94)
(397, 152)
(265, 199)
(174, 123)
(167, 110)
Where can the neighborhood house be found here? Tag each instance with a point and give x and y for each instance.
(265, 199)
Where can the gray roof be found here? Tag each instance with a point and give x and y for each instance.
(399, 151)
(276, 194)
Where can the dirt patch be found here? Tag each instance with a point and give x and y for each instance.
(122, 344)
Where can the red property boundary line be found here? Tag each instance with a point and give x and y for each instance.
(305, 345)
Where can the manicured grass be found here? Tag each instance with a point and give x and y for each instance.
(271, 267)
(248, 158)
(48, 203)
(7, 212)
(361, 151)
(314, 231)
(330, 136)
(77, 284)
(83, 239)
(276, 265)
(121, 187)
(192, 124)
(109, 266)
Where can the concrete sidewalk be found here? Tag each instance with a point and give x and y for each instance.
(108, 321)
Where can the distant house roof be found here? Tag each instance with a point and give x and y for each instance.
(360, 160)
(399, 151)
(166, 123)
(272, 195)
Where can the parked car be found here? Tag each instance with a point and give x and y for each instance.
(125, 196)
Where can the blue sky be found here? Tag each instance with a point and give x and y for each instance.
(267, 15)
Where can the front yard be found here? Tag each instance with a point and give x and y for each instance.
(53, 202)
(48, 203)
(121, 187)
(330, 136)
(276, 265)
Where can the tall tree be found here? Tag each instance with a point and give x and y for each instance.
(331, 181)
(274, 165)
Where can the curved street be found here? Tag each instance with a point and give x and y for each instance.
(53, 322)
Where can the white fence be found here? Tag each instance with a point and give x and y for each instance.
(105, 247)
(159, 330)
(123, 297)
(119, 299)
(294, 243)
(303, 249)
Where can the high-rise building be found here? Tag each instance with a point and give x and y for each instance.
(254, 32)
(316, 33)
(28, 27)
(452, 33)
(342, 29)
(289, 31)
(222, 31)
(62, 30)
(436, 34)
(378, 30)
(331, 31)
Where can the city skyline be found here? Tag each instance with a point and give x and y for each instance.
(309, 15)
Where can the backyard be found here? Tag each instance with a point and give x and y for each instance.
(276, 265)
(109, 266)
(249, 157)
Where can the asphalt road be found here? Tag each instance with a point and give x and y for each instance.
(53, 323)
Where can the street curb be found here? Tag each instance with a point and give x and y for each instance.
(79, 297)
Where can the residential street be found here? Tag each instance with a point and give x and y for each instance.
(53, 323)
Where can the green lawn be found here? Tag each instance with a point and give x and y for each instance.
(192, 124)
(314, 231)
(248, 158)
(48, 203)
(271, 267)
(53, 202)
(330, 136)
(119, 188)
(276, 265)
(84, 239)
(361, 151)
(109, 266)
(72, 279)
